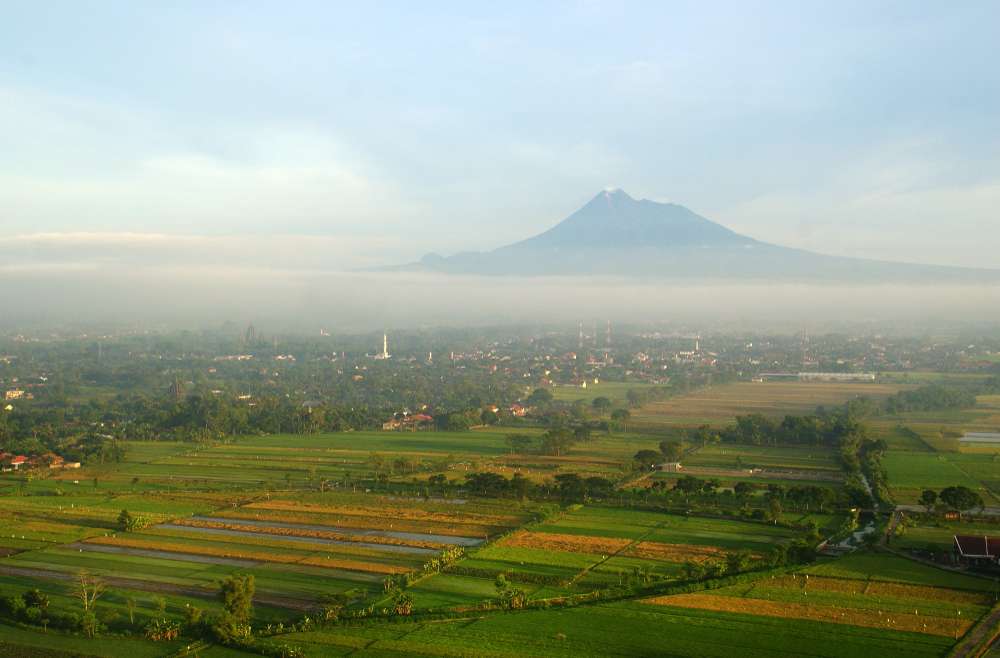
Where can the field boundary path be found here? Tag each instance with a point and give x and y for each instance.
(277, 601)
(633, 543)
(979, 639)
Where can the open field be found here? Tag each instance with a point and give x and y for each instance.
(938, 535)
(718, 405)
(624, 629)
(910, 473)
(884, 567)
(255, 506)
(592, 547)
(300, 550)
(284, 461)
(614, 391)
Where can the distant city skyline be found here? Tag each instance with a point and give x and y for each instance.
(350, 136)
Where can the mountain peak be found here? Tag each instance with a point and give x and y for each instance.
(613, 219)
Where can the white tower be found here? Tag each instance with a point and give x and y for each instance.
(385, 346)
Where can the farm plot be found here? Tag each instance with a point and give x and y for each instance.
(31, 522)
(378, 537)
(889, 568)
(718, 405)
(889, 606)
(910, 473)
(299, 550)
(589, 548)
(731, 463)
(624, 629)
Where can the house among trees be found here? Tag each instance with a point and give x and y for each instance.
(407, 422)
(12, 462)
(518, 411)
(977, 550)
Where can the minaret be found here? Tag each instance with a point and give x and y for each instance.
(385, 346)
(607, 335)
(580, 341)
(697, 343)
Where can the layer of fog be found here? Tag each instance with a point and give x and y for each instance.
(307, 300)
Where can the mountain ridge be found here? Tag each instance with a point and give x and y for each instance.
(615, 234)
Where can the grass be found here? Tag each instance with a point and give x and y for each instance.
(614, 391)
(886, 567)
(910, 473)
(622, 629)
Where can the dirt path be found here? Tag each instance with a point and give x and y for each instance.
(277, 601)
(620, 551)
(979, 639)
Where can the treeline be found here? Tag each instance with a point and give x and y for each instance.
(567, 487)
(931, 397)
(830, 430)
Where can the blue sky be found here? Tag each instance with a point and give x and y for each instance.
(381, 132)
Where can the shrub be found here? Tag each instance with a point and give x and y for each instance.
(162, 630)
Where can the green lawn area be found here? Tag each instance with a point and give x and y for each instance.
(909, 473)
(883, 566)
(622, 629)
(614, 391)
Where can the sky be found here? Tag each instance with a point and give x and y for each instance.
(342, 135)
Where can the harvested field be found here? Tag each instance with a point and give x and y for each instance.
(251, 555)
(570, 543)
(718, 405)
(291, 530)
(652, 550)
(881, 589)
(931, 625)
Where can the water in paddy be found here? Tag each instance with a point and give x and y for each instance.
(981, 437)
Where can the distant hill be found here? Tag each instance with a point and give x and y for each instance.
(614, 234)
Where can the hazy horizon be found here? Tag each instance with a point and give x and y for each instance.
(306, 301)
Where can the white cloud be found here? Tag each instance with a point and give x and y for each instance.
(114, 170)
(904, 201)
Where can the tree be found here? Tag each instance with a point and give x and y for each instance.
(518, 443)
(738, 561)
(960, 498)
(621, 417)
(703, 435)
(489, 417)
(688, 485)
(635, 398)
(646, 459)
(540, 397)
(508, 595)
(236, 593)
(571, 487)
(929, 499)
(601, 405)
(403, 604)
(125, 521)
(672, 450)
(743, 490)
(774, 508)
(556, 441)
(36, 598)
(130, 604)
(87, 588)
